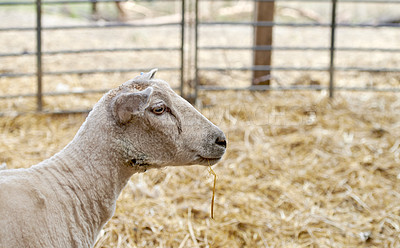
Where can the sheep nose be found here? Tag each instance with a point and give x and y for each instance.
(221, 141)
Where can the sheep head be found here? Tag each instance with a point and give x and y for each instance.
(157, 127)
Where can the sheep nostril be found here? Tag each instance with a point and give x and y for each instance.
(221, 141)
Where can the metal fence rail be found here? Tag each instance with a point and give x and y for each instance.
(184, 24)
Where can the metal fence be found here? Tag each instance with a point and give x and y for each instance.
(331, 69)
(39, 28)
(187, 27)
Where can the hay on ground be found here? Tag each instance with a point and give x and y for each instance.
(300, 171)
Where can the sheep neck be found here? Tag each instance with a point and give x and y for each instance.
(91, 175)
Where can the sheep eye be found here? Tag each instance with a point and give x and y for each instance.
(159, 110)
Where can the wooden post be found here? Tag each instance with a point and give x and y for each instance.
(264, 12)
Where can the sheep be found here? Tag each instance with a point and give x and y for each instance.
(65, 201)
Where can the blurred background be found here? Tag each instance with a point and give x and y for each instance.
(306, 91)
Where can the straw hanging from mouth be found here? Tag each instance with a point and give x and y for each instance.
(213, 195)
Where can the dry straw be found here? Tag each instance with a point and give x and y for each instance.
(211, 171)
(300, 171)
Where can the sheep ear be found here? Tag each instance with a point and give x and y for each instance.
(125, 105)
(150, 74)
(147, 75)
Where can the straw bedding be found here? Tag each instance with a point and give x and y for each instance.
(300, 171)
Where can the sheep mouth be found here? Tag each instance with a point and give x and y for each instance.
(208, 161)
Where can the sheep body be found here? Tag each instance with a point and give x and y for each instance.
(23, 197)
(52, 205)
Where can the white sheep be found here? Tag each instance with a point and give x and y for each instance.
(65, 200)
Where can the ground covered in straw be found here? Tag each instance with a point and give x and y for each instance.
(301, 171)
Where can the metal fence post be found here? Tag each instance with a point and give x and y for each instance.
(39, 73)
(196, 48)
(332, 51)
(182, 47)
